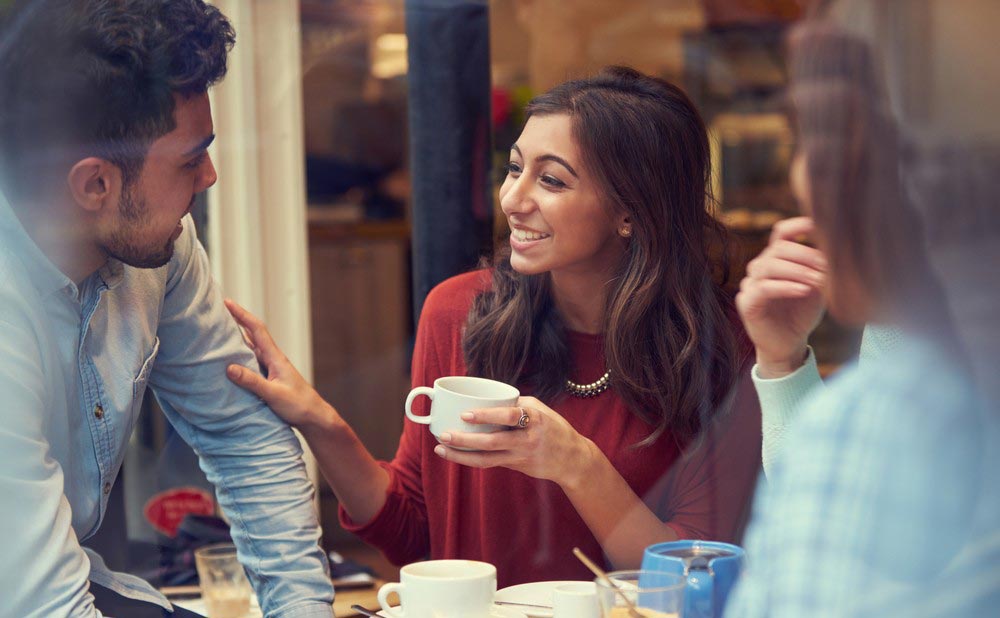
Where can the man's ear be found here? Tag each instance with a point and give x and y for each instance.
(94, 183)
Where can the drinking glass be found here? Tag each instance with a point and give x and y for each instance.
(654, 594)
(224, 585)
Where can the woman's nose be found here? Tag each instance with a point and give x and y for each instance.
(514, 197)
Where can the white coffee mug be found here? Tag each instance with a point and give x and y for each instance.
(442, 589)
(576, 600)
(453, 395)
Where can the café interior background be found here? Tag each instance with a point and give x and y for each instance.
(349, 59)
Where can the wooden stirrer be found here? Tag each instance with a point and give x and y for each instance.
(601, 575)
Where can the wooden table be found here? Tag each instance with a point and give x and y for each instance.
(342, 602)
(365, 597)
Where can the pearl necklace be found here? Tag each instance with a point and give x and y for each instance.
(589, 390)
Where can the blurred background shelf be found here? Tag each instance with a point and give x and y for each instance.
(360, 280)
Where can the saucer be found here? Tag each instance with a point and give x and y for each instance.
(534, 593)
(497, 611)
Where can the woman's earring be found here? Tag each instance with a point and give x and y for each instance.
(625, 231)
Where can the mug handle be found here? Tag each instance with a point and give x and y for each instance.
(420, 390)
(383, 596)
(698, 595)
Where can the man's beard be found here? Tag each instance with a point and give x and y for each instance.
(122, 246)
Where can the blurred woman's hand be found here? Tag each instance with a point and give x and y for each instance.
(544, 446)
(284, 389)
(781, 298)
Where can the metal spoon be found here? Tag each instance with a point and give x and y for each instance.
(366, 612)
(534, 605)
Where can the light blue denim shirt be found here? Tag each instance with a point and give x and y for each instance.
(884, 501)
(74, 364)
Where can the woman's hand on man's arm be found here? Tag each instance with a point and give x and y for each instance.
(357, 480)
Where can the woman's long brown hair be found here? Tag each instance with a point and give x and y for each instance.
(669, 328)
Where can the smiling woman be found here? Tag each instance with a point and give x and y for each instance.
(625, 244)
(639, 423)
(558, 220)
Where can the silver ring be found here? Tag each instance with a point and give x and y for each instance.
(523, 421)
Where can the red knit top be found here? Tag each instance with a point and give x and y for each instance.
(528, 527)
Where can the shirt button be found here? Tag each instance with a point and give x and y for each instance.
(107, 488)
(98, 411)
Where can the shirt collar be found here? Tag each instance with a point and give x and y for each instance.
(112, 273)
(45, 276)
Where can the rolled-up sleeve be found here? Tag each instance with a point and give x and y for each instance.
(250, 455)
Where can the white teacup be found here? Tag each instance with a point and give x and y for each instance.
(453, 395)
(576, 600)
(442, 589)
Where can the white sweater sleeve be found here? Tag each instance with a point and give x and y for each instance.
(780, 400)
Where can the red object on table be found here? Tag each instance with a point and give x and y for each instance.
(165, 510)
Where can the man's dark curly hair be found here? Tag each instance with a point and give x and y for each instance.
(85, 78)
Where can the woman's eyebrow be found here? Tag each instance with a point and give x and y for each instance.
(549, 157)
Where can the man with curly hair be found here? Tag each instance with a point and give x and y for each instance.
(105, 289)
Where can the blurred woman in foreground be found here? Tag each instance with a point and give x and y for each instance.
(883, 501)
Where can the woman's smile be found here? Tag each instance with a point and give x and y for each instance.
(523, 239)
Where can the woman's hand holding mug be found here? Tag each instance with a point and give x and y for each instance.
(541, 443)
